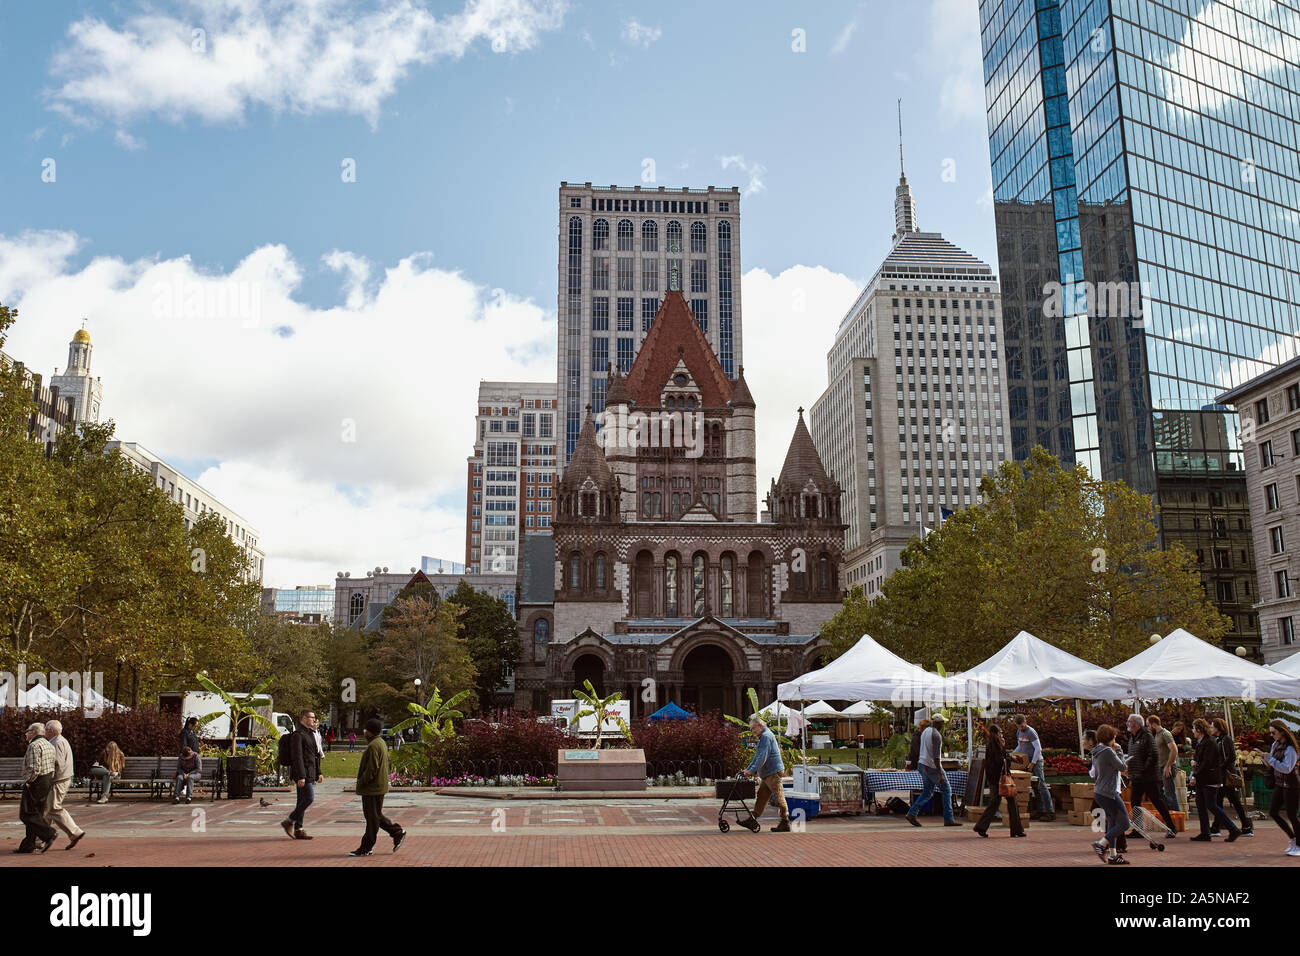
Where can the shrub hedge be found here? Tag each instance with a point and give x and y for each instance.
(140, 733)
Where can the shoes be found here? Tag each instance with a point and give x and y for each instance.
(1202, 838)
(49, 843)
(952, 823)
(287, 827)
(102, 800)
(913, 820)
(175, 800)
(782, 827)
(362, 853)
(187, 799)
(1250, 832)
(28, 849)
(75, 840)
(752, 825)
(1294, 851)
(1048, 817)
(1233, 835)
(1172, 834)
(1014, 835)
(300, 835)
(1100, 848)
(978, 832)
(1118, 860)
(397, 840)
(1289, 847)
(1133, 834)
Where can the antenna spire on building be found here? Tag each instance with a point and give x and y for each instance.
(901, 174)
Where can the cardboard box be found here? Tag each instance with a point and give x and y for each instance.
(1081, 804)
(1081, 790)
(1080, 818)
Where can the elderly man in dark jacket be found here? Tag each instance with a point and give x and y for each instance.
(372, 784)
(1144, 772)
(305, 769)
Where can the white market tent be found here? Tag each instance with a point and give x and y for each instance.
(1287, 665)
(819, 710)
(1184, 666)
(1029, 668)
(862, 710)
(867, 671)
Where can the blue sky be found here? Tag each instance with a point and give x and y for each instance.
(462, 121)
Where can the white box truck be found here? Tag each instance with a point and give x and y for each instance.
(200, 703)
(562, 712)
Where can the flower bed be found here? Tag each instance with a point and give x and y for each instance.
(470, 780)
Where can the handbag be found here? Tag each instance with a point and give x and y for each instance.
(1007, 786)
(1233, 779)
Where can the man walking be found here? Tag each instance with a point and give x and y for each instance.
(372, 784)
(305, 769)
(932, 771)
(1166, 761)
(38, 779)
(55, 812)
(768, 767)
(1144, 772)
(1027, 743)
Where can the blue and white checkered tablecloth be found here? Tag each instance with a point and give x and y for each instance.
(879, 781)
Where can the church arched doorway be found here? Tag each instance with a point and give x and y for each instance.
(706, 680)
(589, 667)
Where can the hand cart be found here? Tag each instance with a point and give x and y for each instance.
(733, 792)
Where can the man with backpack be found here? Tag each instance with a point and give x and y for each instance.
(304, 769)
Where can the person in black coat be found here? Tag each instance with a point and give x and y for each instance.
(997, 761)
(1144, 771)
(1219, 731)
(1207, 778)
(305, 769)
(914, 750)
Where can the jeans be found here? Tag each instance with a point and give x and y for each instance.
(105, 777)
(373, 808)
(1288, 797)
(1116, 819)
(934, 780)
(306, 794)
(31, 810)
(1044, 791)
(1207, 805)
(1171, 791)
(186, 782)
(771, 787)
(1233, 796)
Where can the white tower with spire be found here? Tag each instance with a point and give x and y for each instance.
(76, 382)
(904, 204)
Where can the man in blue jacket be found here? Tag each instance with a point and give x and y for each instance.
(767, 766)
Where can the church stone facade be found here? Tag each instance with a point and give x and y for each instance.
(660, 579)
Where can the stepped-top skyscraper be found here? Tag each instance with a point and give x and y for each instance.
(617, 248)
(1146, 177)
(914, 410)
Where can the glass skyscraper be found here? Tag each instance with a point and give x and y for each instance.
(1146, 185)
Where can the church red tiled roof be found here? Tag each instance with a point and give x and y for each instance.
(676, 336)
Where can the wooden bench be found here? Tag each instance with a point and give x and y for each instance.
(213, 779)
(138, 772)
(11, 775)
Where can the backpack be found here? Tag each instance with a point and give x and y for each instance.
(285, 750)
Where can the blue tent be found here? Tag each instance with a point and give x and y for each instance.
(671, 711)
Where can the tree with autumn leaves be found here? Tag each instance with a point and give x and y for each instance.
(1051, 550)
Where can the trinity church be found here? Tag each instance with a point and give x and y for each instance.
(659, 567)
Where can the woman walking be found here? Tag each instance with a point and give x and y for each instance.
(997, 764)
(108, 768)
(1207, 779)
(1231, 789)
(1281, 759)
(1107, 762)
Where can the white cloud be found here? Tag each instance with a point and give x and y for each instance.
(755, 171)
(952, 51)
(845, 36)
(789, 324)
(638, 34)
(300, 56)
(231, 367)
(127, 141)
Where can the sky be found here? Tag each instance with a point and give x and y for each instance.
(302, 231)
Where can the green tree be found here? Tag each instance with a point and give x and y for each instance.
(491, 636)
(1051, 550)
(602, 708)
(295, 654)
(420, 638)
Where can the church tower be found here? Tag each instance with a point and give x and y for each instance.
(76, 382)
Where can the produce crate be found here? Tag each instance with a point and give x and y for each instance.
(1081, 804)
(1080, 818)
(973, 815)
(1081, 790)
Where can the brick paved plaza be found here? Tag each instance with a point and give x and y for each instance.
(459, 831)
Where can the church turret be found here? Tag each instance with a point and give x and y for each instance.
(589, 489)
(742, 481)
(76, 382)
(804, 492)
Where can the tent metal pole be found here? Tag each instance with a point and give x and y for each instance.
(1078, 717)
(970, 738)
(1227, 716)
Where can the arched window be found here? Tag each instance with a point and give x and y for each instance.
(674, 233)
(356, 607)
(626, 235)
(541, 637)
(646, 503)
(670, 586)
(677, 506)
(600, 234)
(575, 572)
(589, 504)
(649, 236)
(600, 572)
(699, 580)
(727, 571)
(756, 586)
(824, 574)
(645, 577)
(699, 237)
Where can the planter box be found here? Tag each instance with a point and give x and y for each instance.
(601, 770)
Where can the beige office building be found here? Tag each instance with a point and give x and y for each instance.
(915, 409)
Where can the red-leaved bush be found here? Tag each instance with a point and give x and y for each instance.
(708, 738)
(140, 733)
(515, 738)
